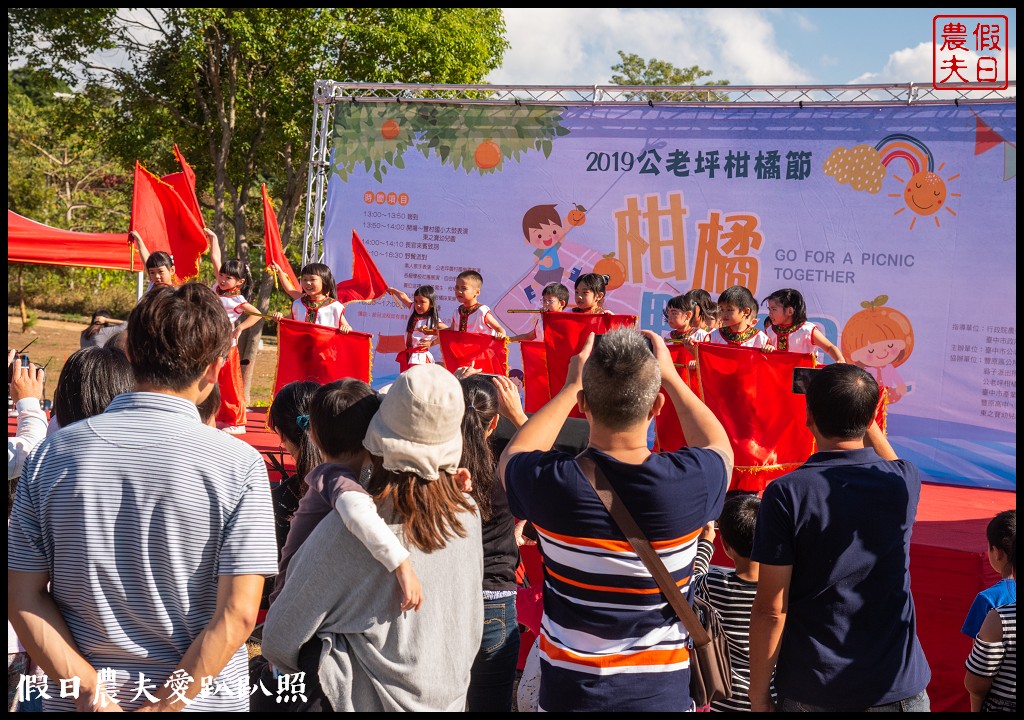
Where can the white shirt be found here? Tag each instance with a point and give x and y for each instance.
(329, 315)
(475, 323)
(759, 340)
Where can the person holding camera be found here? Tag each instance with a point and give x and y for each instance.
(833, 615)
(609, 641)
(26, 391)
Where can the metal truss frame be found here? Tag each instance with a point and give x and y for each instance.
(327, 93)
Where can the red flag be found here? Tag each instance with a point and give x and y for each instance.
(165, 223)
(306, 351)
(564, 335)
(32, 242)
(484, 352)
(184, 182)
(231, 412)
(366, 283)
(535, 375)
(751, 394)
(272, 250)
(668, 435)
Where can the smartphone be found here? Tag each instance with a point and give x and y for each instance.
(23, 359)
(802, 377)
(487, 375)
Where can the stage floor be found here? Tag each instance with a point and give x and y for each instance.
(948, 562)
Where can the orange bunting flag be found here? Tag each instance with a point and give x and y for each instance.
(184, 182)
(306, 351)
(466, 349)
(668, 435)
(366, 283)
(535, 375)
(272, 250)
(751, 394)
(564, 335)
(165, 223)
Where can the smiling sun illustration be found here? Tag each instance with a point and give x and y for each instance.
(864, 167)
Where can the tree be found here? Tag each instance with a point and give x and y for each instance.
(634, 70)
(233, 87)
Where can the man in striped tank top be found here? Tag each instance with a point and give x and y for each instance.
(140, 537)
(609, 640)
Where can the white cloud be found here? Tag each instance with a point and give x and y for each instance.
(916, 64)
(558, 46)
(749, 52)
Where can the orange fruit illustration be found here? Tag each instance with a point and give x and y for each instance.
(389, 129)
(612, 267)
(487, 155)
(577, 216)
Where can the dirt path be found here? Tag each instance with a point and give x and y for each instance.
(53, 341)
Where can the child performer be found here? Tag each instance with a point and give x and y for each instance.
(317, 301)
(472, 316)
(789, 330)
(233, 282)
(554, 299)
(159, 265)
(590, 293)
(421, 330)
(737, 317)
(708, 315)
(682, 313)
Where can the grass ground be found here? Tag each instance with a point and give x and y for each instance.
(55, 340)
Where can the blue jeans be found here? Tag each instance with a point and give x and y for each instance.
(918, 703)
(494, 670)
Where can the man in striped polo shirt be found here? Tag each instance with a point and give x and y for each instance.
(609, 640)
(140, 538)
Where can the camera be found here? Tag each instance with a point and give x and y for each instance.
(802, 377)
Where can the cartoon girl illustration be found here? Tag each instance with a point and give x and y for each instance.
(880, 339)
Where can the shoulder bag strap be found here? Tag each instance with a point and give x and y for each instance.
(642, 547)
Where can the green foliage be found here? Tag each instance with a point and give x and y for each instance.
(376, 136)
(231, 86)
(634, 70)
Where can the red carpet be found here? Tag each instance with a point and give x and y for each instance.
(948, 565)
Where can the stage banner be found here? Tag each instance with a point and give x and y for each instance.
(468, 349)
(317, 352)
(896, 223)
(751, 394)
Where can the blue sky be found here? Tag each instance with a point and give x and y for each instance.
(774, 46)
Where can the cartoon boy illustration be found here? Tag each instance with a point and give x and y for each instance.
(542, 227)
(880, 339)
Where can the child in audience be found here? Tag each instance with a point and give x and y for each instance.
(421, 330)
(737, 318)
(472, 316)
(1001, 534)
(554, 298)
(789, 330)
(317, 301)
(590, 294)
(339, 415)
(731, 591)
(707, 316)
